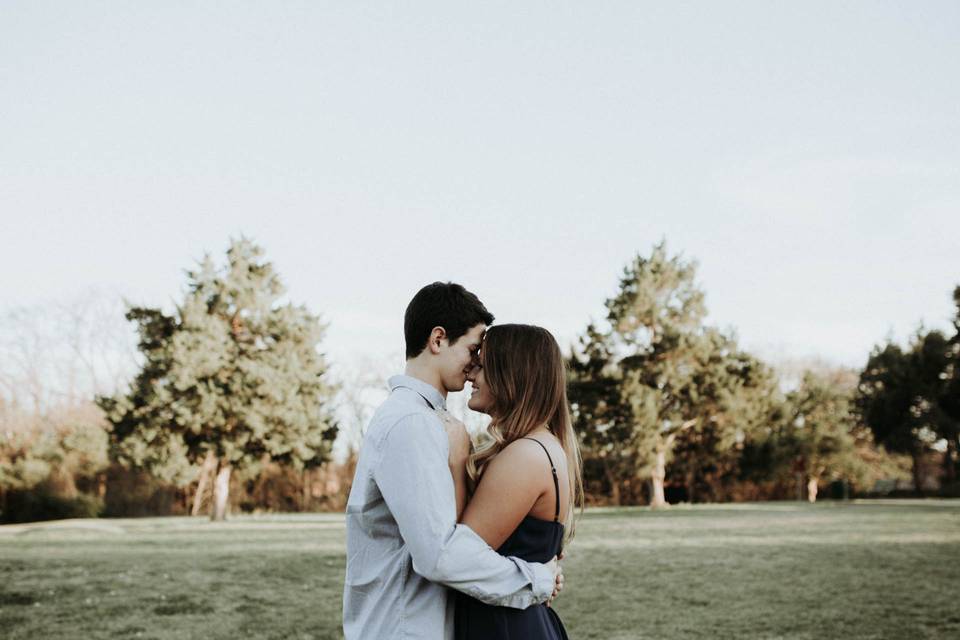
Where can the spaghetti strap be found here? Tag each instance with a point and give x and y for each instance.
(556, 482)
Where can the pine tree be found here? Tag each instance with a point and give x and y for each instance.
(820, 431)
(738, 399)
(654, 375)
(233, 378)
(950, 399)
(903, 397)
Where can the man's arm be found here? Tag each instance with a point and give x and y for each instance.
(414, 478)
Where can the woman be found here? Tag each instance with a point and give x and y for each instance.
(525, 479)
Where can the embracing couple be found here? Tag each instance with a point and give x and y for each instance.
(444, 542)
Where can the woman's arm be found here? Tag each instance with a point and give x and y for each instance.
(459, 472)
(512, 483)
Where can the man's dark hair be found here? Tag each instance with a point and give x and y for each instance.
(441, 304)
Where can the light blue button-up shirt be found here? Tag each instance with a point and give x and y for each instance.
(404, 546)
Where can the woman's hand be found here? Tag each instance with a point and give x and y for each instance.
(558, 580)
(459, 439)
(460, 446)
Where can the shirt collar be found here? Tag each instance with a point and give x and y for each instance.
(427, 391)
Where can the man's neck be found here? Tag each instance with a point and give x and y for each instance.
(418, 369)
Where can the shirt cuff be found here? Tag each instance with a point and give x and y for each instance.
(542, 579)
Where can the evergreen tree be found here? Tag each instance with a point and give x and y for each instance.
(950, 396)
(738, 398)
(820, 432)
(655, 374)
(904, 397)
(603, 421)
(233, 378)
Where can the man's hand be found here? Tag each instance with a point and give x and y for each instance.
(554, 564)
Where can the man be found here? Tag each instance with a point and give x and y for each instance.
(404, 546)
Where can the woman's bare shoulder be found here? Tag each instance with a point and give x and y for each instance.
(519, 451)
(521, 459)
(528, 453)
(553, 446)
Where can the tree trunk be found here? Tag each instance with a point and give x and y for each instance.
(207, 470)
(917, 473)
(305, 492)
(614, 485)
(221, 494)
(657, 477)
(101, 485)
(949, 462)
(812, 488)
(691, 479)
(715, 484)
(799, 477)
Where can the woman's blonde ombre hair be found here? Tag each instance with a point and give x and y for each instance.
(526, 376)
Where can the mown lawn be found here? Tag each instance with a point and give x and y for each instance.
(782, 570)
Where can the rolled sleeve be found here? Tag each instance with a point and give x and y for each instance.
(414, 479)
(495, 584)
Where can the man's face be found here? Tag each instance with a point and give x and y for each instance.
(457, 359)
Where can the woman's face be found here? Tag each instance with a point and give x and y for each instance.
(481, 399)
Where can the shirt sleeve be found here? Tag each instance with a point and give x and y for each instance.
(414, 479)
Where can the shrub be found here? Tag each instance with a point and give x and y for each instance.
(41, 503)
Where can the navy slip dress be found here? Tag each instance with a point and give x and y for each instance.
(534, 540)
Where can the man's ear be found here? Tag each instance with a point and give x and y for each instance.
(437, 337)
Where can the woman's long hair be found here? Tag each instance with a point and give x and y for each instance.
(526, 376)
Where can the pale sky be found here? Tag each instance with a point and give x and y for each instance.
(807, 156)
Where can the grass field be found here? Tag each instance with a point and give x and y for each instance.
(782, 570)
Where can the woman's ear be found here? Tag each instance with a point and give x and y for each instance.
(437, 337)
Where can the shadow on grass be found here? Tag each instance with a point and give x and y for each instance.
(182, 605)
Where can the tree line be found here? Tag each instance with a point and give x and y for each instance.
(661, 399)
(232, 402)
